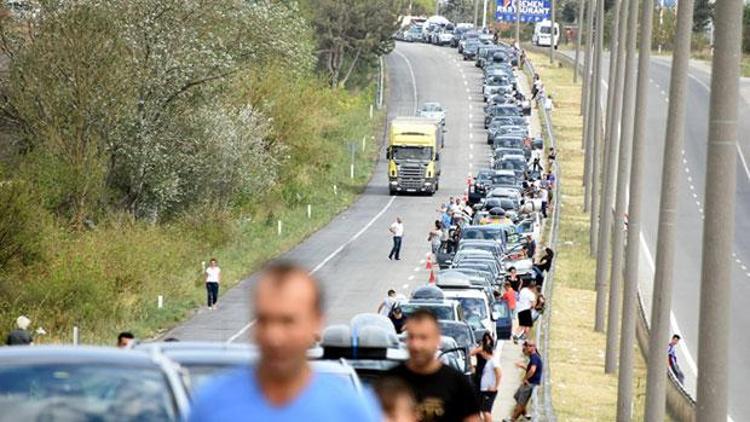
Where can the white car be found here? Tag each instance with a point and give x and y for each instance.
(445, 37)
(475, 307)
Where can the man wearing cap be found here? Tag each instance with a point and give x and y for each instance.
(531, 379)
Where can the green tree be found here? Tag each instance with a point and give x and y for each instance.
(702, 14)
(350, 31)
(104, 96)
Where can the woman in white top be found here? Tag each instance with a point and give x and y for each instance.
(213, 278)
(489, 379)
(526, 302)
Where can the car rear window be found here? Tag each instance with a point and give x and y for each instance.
(73, 392)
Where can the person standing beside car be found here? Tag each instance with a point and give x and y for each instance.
(435, 237)
(213, 278)
(489, 382)
(442, 393)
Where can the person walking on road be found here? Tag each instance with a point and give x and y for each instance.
(388, 303)
(435, 237)
(20, 336)
(213, 278)
(397, 230)
(282, 386)
(442, 393)
(672, 356)
(531, 379)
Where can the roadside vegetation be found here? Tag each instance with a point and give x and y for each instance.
(139, 138)
(581, 391)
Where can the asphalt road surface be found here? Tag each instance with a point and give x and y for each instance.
(686, 294)
(349, 255)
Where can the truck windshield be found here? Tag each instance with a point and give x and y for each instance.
(412, 153)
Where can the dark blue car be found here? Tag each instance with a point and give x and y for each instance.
(503, 319)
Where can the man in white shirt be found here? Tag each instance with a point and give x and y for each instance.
(213, 277)
(397, 230)
(386, 306)
(544, 196)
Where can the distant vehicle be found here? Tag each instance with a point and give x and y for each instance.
(414, 33)
(445, 37)
(467, 37)
(469, 50)
(432, 111)
(542, 34)
(74, 383)
(414, 155)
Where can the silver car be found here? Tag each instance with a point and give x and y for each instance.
(433, 111)
(74, 383)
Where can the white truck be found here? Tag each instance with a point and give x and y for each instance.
(542, 34)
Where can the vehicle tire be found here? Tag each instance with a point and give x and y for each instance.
(392, 191)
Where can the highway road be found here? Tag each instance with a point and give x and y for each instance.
(686, 294)
(349, 255)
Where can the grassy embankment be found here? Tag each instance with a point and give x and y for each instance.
(107, 279)
(580, 388)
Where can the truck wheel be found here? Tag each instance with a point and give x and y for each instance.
(392, 191)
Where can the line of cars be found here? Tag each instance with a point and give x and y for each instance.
(155, 381)
(485, 241)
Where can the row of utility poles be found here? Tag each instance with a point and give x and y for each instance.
(613, 140)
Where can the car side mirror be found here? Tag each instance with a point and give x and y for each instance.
(388, 154)
(437, 156)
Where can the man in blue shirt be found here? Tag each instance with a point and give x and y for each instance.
(531, 379)
(282, 386)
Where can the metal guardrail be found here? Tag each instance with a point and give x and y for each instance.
(542, 408)
(680, 404)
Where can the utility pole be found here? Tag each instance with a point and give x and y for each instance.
(623, 166)
(484, 14)
(614, 110)
(552, 45)
(579, 30)
(632, 249)
(718, 228)
(661, 302)
(589, 118)
(476, 13)
(587, 63)
(437, 7)
(597, 131)
(518, 23)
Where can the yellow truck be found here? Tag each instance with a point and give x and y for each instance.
(414, 155)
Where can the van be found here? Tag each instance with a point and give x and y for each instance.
(541, 35)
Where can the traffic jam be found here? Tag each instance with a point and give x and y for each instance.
(485, 283)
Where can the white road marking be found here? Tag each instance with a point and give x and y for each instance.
(327, 259)
(692, 188)
(413, 79)
(469, 99)
(417, 268)
(411, 277)
(672, 320)
(471, 146)
(690, 179)
(405, 286)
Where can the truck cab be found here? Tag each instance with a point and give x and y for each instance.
(414, 155)
(542, 34)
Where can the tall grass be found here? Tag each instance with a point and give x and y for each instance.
(107, 279)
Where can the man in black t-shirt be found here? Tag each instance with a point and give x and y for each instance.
(443, 394)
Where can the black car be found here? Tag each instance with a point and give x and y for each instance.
(503, 319)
